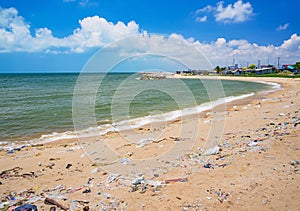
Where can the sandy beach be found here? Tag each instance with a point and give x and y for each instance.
(255, 166)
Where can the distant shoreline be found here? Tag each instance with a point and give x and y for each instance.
(57, 135)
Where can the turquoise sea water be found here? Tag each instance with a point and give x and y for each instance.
(33, 105)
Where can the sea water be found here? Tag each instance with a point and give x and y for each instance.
(39, 106)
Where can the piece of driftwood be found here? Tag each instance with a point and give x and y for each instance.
(53, 202)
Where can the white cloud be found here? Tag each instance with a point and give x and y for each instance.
(292, 44)
(93, 32)
(97, 32)
(208, 8)
(232, 13)
(221, 42)
(83, 3)
(282, 27)
(7, 16)
(222, 52)
(86, 3)
(202, 19)
(238, 12)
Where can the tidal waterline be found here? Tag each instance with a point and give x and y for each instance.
(37, 106)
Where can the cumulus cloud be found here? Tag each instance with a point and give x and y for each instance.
(222, 52)
(97, 32)
(282, 27)
(292, 44)
(221, 42)
(238, 12)
(232, 13)
(93, 32)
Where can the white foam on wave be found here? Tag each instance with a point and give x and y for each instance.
(275, 86)
(165, 117)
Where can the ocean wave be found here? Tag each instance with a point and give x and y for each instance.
(275, 86)
(123, 125)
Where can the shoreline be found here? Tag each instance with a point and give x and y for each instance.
(142, 121)
(257, 165)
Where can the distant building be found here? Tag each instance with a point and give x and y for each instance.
(264, 70)
(287, 67)
(237, 72)
(232, 67)
(258, 71)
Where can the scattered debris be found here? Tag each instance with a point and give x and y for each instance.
(176, 180)
(212, 151)
(208, 166)
(87, 190)
(144, 141)
(68, 165)
(233, 145)
(253, 143)
(294, 162)
(53, 202)
(112, 177)
(15, 172)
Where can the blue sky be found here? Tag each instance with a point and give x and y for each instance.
(61, 35)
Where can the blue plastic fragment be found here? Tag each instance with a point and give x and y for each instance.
(26, 207)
